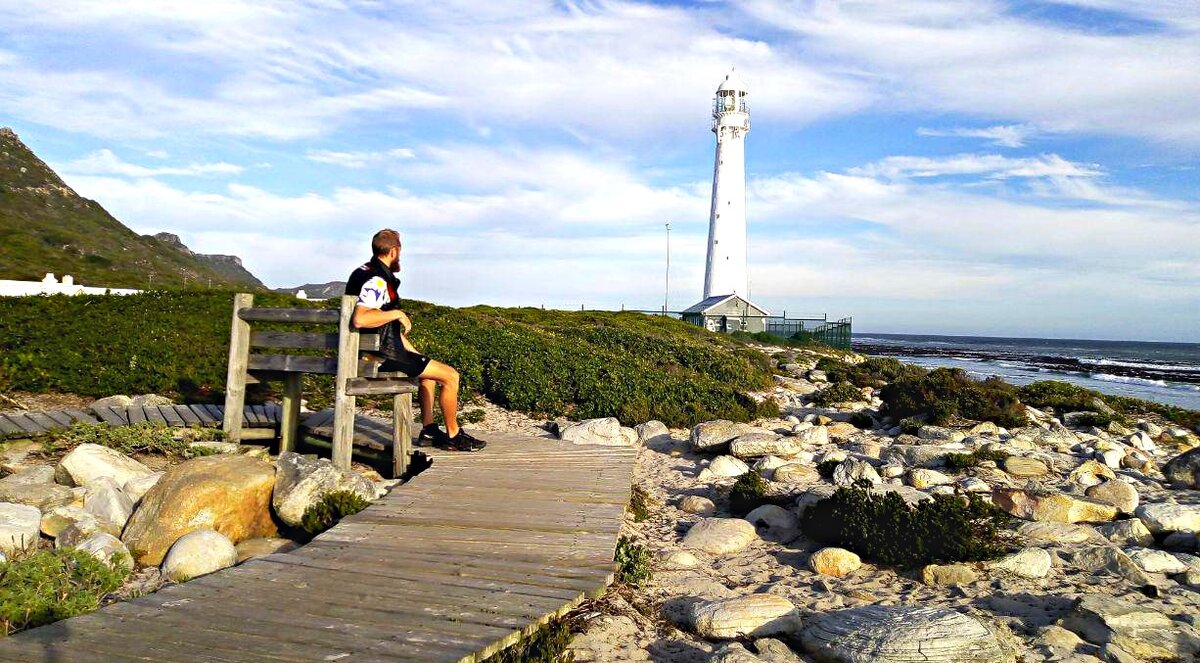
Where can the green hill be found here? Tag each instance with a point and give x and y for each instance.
(46, 227)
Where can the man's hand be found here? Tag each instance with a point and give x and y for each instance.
(370, 318)
(404, 321)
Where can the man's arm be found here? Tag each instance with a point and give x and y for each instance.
(366, 317)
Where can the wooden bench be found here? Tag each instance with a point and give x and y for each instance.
(354, 375)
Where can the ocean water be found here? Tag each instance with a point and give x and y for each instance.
(1162, 372)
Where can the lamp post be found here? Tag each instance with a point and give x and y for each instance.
(667, 284)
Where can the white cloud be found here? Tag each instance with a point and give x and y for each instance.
(993, 165)
(1003, 135)
(359, 159)
(104, 162)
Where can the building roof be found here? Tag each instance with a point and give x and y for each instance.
(706, 305)
(733, 81)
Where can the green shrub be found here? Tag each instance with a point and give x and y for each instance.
(911, 425)
(550, 363)
(1066, 397)
(840, 392)
(885, 530)
(1097, 419)
(874, 372)
(138, 438)
(826, 467)
(960, 462)
(50, 585)
(332, 508)
(633, 562)
(548, 644)
(862, 420)
(639, 504)
(947, 392)
(748, 493)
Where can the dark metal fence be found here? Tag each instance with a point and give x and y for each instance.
(835, 333)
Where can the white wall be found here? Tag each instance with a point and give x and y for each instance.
(51, 286)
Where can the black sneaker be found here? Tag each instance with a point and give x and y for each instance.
(432, 436)
(462, 442)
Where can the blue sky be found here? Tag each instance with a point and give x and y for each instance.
(979, 166)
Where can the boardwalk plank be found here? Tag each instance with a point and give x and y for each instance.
(215, 410)
(81, 417)
(137, 415)
(9, 428)
(185, 413)
(26, 424)
(172, 417)
(155, 416)
(61, 418)
(112, 417)
(206, 418)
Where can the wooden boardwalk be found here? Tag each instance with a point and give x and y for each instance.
(453, 566)
(32, 424)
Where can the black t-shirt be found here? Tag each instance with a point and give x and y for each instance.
(375, 286)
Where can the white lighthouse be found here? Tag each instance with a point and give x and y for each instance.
(725, 269)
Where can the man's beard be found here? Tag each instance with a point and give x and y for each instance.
(395, 266)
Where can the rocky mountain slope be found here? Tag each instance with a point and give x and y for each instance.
(45, 226)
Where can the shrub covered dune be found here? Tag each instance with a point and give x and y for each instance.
(554, 363)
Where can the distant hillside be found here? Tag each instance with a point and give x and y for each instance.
(318, 290)
(46, 227)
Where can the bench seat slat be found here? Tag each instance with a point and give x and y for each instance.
(307, 315)
(293, 364)
(366, 386)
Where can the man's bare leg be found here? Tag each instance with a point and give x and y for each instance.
(447, 378)
(425, 398)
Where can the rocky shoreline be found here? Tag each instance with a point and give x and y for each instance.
(1103, 562)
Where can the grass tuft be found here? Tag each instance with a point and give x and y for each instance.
(332, 508)
(50, 585)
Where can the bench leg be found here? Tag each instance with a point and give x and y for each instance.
(235, 381)
(289, 421)
(402, 433)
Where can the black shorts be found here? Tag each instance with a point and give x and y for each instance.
(408, 363)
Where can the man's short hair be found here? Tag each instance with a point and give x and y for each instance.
(385, 240)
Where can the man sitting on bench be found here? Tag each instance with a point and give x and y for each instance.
(378, 309)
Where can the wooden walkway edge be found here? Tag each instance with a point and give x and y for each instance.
(33, 424)
(453, 566)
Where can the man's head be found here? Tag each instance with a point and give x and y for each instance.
(385, 245)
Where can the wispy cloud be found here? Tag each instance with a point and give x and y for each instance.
(104, 162)
(1003, 135)
(359, 159)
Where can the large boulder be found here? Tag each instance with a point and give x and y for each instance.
(227, 493)
(57, 520)
(793, 473)
(89, 462)
(1024, 467)
(1052, 507)
(605, 431)
(753, 615)
(20, 525)
(901, 634)
(774, 523)
(1137, 629)
(1167, 517)
(302, 481)
(137, 488)
(713, 435)
(1184, 469)
(1048, 532)
(720, 536)
(1130, 532)
(815, 436)
(198, 553)
(35, 487)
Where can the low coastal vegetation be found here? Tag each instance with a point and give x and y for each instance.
(48, 585)
(887, 530)
(633, 561)
(552, 363)
(330, 509)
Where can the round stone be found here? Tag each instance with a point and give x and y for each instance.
(198, 553)
(1117, 493)
(701, 506)
(836, 562)
(1024, 467)
(720, 536)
